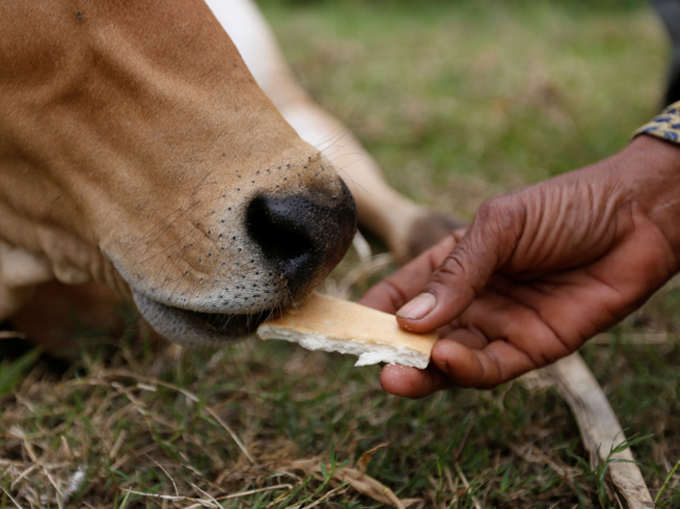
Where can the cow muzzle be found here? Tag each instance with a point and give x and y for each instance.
(291, 243)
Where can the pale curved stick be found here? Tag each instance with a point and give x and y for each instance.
(600, 431)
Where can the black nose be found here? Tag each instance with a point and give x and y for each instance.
(303, 236)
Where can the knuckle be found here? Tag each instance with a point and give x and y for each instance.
(460, 269)
(496, 207)
(502, 214)
(452, 269)
(453, 265)
(499, 227)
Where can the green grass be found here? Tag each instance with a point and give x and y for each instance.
(457, 101)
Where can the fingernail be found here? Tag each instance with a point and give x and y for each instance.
(418, 307)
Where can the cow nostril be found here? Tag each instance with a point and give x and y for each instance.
(302, 236)
(274, 227)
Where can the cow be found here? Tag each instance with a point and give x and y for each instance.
(138, 152)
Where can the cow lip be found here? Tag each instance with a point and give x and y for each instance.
(196, 327)
(222, 322)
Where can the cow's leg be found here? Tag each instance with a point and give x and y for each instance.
(405, 227)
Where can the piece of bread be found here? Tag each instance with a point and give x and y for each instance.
(333, 325)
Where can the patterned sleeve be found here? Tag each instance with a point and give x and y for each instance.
(665, 126)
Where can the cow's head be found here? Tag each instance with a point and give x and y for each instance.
(137, 150)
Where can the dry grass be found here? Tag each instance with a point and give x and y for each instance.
(247, 426)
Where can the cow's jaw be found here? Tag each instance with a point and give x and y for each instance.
(193, 328)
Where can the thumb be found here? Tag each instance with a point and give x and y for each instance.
(487, 245)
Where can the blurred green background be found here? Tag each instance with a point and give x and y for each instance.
(459, 100)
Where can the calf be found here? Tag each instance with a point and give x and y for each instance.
(137, 151)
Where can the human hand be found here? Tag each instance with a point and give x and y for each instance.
(539, 271)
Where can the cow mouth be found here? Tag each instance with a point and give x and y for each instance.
(233, 324)
(199, 328)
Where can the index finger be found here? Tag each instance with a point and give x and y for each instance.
(397, 289)
(496, 363)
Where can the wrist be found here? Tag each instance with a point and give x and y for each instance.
(650, 168)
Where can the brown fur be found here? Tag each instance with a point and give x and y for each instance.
(132, 140)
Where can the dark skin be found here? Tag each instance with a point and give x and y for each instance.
(539, 271)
